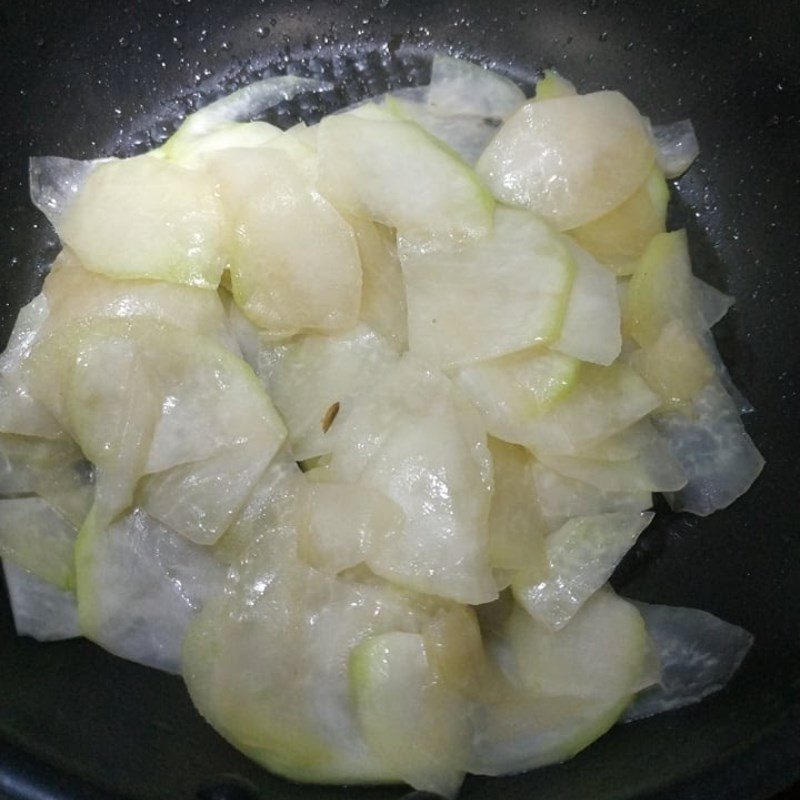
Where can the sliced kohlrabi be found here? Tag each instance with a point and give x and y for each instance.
(713, 448)
(591, 328)
(560, 496)
(581, 556)
(619, 237)
(294, 260)
(485, 299)
(714, 304)
(459, 87)
(415, 438)
(73, 293)
(651, 466)
(143, 397)
(339, 523)
(414, 723)
(267, 661)
(55, 183)
(541, 723)
(570, 159)
(699, 653)
(511, 391)
(145, 217)
(314, 381)
(605, 401)
(139, 584)
(37, 538)
(465, 134)
(224, 123)
(395, 173)
(20, 413)
(244, 104)
(517, 528)
(677, 365)
(662, 289)
(40, 609)
(383, 292)
(676, 147)
(55, 470)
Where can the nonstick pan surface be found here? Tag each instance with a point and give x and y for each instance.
(87, 78)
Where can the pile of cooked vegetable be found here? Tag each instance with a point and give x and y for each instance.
(350, 424)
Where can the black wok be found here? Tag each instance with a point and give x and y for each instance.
(88, 77)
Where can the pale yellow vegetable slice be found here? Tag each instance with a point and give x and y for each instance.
(383, 292)
(676, 365)
(144, 217)
(415, 438)
(294, 260)
(546, 721)
(517, 528)
(414, 722)
(504, 293)
(619, 237)
(314, 381)
(571, 159)
(390, 170)
(581, 556)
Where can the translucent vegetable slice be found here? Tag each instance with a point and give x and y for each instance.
(259, 670)
(581, 556)
(392, 171)
(414, 722)
(460, 87)
(465, 134)
(619, 237)
(676, 147)
(139, 585)
(516, 526)
(140, 396)
(676, 365)
(699, 654)
(73, 293)
(192, 150)
(502, 294)
(545, 720)
(314, 381)
(719, 458)
(221, 125)
(294, 260)
(339, 524)
(662, 289)
(145, 217)
(605, 401)
(560, 496)
(35, 537)
(383, 292)
(40, 609)
(55, 182)
(512, 390)
(20, 412)
(591, 328)
(54, 470)
(714, 304)
(243, 104)
(650, 467)
(417, 440)
(570, 159)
